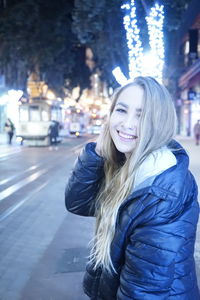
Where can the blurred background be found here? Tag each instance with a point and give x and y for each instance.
(60, 62)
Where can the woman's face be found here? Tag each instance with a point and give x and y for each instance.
(125, 119)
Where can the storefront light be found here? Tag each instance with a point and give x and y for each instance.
(12, 105)
(89, 101)
(4, 100)
(15, 94)
(50, 95)
(98, 102)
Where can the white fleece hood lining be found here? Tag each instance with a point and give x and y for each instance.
(155, 163)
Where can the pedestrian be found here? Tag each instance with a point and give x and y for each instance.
(53, 134)
(9, 129)
(197, 132)
(135, 181)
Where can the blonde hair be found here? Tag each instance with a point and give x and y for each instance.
(157, 128)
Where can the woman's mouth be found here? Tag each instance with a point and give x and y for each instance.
(127, 137)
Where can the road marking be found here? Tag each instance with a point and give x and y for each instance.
(15, 187)
(7, 192)
(13, 151)
(13, 208)
(74, 149)
(18, 174)
(6, 155)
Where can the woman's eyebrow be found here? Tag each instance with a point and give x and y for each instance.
(126, 106)
(122, 104)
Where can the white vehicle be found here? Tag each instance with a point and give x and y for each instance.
(34, 121)
(76, 122)
(75, 128)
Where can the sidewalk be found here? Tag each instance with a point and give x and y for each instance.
(194, 153)
(4, 140)
(59, 274)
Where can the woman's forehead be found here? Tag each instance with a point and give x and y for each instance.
(131, 95)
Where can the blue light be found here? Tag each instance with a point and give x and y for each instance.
(141, 63)
(133, 39)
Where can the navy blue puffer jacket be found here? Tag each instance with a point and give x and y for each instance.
(153, 245)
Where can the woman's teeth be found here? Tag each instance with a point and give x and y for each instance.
(127, 136)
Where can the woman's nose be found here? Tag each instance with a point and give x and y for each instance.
(129, 122)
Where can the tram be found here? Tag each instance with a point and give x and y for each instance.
(35, 119)
(75, 125)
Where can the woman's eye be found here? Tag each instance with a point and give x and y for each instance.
(138, 116)
(121, 110)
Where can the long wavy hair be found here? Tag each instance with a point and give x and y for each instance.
(157, 128)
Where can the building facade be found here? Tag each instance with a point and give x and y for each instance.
(186, 64)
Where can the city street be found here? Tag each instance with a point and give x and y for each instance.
(43, 248)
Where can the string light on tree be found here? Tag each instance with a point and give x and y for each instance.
(133, 39)
(155, 30)
(141, 63)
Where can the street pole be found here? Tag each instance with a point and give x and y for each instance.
(189, 117)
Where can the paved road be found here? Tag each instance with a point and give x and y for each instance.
(43, 248)
(32, 182)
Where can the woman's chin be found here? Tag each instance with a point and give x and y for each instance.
(126, 150)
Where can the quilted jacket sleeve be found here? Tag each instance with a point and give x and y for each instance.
(151, 253)
(84, 182)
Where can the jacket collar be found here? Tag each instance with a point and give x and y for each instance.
(155, 163)
(169, 184)
(174, 178)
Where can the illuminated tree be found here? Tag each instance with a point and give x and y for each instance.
(139, 63)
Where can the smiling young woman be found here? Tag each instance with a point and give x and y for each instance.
(135, 181)
(125, 119)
